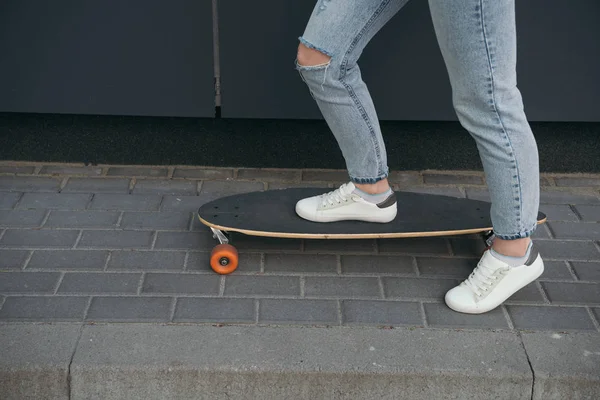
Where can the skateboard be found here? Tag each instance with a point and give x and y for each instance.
(272, 213)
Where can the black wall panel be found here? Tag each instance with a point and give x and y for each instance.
(558, 62)
(136, 57)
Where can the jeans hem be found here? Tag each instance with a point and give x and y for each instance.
(363, 181)
(520, 235)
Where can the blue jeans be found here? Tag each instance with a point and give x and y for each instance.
(477, 39)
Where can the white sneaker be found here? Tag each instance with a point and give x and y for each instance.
(492, 282)
(344, 204)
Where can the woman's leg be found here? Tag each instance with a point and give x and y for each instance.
(477, 39)
(333, 40)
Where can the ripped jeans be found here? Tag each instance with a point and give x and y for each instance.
(477, 39)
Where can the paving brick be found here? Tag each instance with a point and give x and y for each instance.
(96, 185)
(247, 243)
(541, 232)
(138, 171)
(441, 191)
(214, 310)
(185, 240)
(182, 203)
(181, 283)
(69, 170)
(116, 239)
(453, 179)
(300, 263)
(103, 282)
(29, 184)
(212, 190)
(130, 309)
(568, 250)
(68, 259)
(203, 173)
(556, 270)
(236, 285)
(38, 238)
(551, 318)
(325, 175)
(146, 260)
(290, 185)
(126, 202)
(59, 201)
(82, 219)
(577, 293)
(156, 186)
(381, 313)
(589, 213)
(587, 271)
(21, 218)
(405, 179)
(156, 220)
(375, 264)
(446, 267)
(44, 308)
(340, 245)
(8, 200)
(421, 288)
(298, 311)
(566, 197)
(16, 170)
(341, 287)
(575, 230)
(200, 261)
(468, 247)
(431, 245)
(573, 181)
(12, 259)
(557, 212)
(529, 294)
(478, 194)
(267, 175)
(439, 315)
(27, 282)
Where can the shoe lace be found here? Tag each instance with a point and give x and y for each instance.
(482, 278)
(337, 196)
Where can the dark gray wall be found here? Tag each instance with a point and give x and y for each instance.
(558, 62)
(134, 57)
(152, 57)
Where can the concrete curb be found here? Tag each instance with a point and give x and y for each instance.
(149, 361)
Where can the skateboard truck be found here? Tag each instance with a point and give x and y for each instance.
(220, 236)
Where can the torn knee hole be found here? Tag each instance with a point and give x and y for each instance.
(308, 57)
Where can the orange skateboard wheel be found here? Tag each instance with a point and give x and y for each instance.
(224, 259)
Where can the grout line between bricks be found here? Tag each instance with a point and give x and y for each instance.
(60, 279)
(132, 182)
(594, 320)
(191, 224)
(543, 292)
(105, 268)
(141, 283)
(338, 261)
(154, 239)
(262, 262)
(120, 219)
(381, 289)
(89, 204)
(507, 317)
(45, 219)
(340, 314)
(222, 286)
(37, 169)
(87, 307)
(18, 203)
(199, 187)
(423, 315)
(62, 185)
(302, 284)
(415, 265)
(27, 260)
(2, 233)
(571, 270)
(256, 310)
(172, 308)
(185, 261)
(170, 172)
(2, 300)
(78, 239)
(575, 211)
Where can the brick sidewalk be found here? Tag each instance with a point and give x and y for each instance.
(121, 244)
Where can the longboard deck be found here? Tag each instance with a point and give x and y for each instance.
(272, 214)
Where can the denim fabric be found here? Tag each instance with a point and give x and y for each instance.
(477, 39)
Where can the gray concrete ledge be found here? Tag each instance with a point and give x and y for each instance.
(150, 361)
